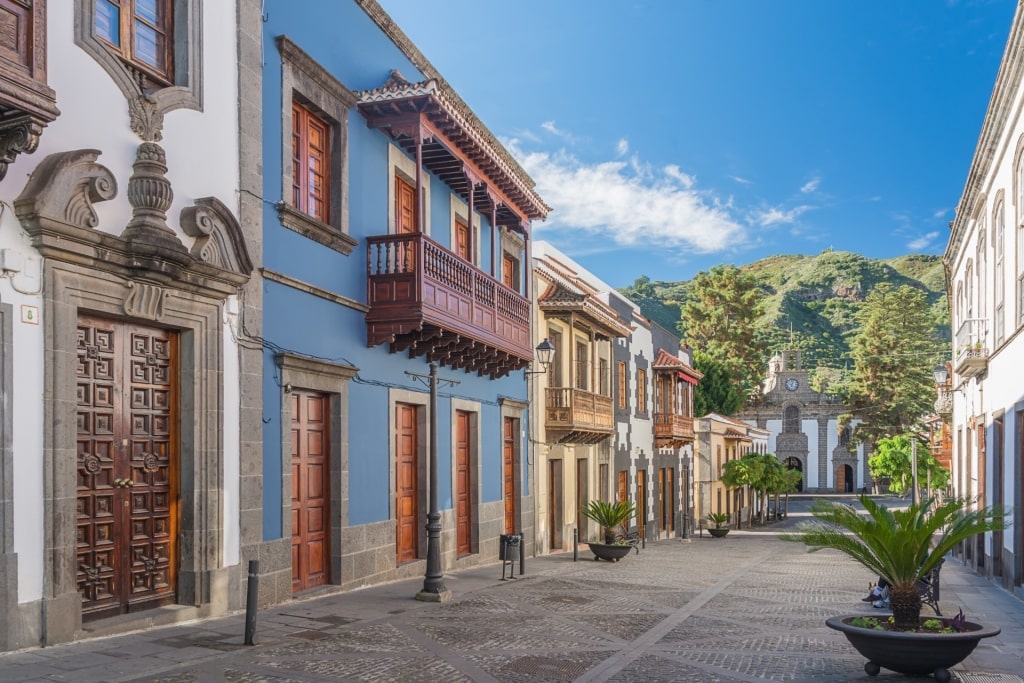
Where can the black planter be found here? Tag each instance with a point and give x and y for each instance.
(718, 533)
(612, 553)
(912, 653)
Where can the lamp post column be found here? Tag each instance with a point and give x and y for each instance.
(434, 589)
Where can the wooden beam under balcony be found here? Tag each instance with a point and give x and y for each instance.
(425, 299)
(577, 416)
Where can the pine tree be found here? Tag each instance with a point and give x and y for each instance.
(720, 319)
(894, 351)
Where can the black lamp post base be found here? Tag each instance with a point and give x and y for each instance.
(430, 596)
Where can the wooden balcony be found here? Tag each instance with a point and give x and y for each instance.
(672, 430)
(577, 416)
(425, 299)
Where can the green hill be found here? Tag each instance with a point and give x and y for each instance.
(811, 301)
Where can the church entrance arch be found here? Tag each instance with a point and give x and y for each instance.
(844, 479)
(792, 463)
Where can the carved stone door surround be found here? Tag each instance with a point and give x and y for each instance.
(89, 271)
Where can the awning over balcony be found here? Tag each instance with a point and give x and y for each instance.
(666, 362)
(456, 147)
(567, 294)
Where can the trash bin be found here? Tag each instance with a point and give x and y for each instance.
(510, 547)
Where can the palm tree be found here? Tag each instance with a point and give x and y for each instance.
(746, 471)
(609, 515)
(901, 546)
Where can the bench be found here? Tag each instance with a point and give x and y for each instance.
(928, 588)
(632, 538)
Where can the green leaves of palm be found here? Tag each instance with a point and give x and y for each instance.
(609, 515)
(899, 545)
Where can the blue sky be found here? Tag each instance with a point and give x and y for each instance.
(673, 135)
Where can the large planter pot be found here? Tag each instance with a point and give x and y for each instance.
(718, 533)
(912, 653)
(612, 553)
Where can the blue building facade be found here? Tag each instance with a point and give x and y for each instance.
(396, 235)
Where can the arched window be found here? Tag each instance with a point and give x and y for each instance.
(844, 437)
(791, 420)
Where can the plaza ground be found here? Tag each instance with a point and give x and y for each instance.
(745, 608)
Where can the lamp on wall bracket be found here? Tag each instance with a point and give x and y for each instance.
(941, 374)
(545, 355)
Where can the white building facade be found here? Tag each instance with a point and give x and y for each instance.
(984, 262)
(126, 274)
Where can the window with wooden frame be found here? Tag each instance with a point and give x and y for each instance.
(314, 158)
(141, 32)
(311, 169)
(641, 391)
(623, 386)
(582, 370)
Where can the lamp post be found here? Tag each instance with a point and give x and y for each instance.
(433, 589)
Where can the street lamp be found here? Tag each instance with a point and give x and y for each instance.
(434, 589)
(545, 355)
(941, 374)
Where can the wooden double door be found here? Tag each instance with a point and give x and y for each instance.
(127, 466)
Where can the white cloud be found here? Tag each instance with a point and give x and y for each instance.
(810, 185)
(778, 216)
(922, 242)
(622, 148)
(629, 204)
(741, 181)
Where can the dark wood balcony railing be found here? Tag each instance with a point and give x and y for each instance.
(425, 298)
(579, 415)
(672, 427)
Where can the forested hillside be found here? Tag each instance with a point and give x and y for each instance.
(811, 301)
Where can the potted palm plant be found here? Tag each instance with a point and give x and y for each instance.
(902, 546)
(610, 516)
(718, 519)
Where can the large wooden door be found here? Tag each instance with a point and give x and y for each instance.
(555, 503)
(582, 496)
(510, 430)
(641, 502)
(311, 500)
(127, 511)
(407, 481)
(463, 483)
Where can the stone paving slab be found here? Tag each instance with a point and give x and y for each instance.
(742, 609)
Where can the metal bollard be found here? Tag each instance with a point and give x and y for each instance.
(522, 553)
(575, 544)
(251, 592)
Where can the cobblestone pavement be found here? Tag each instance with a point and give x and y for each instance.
(740, 609)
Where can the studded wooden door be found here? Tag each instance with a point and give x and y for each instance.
(406, 482)
(127, 509)
(311, 501)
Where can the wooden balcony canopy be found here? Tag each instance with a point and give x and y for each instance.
(566, 296)
(673, 414)
(454, 146)
(423, 298)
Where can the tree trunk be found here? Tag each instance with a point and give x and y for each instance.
(609, 535)
(906, 607)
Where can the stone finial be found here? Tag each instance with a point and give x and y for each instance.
(150, 194)
(62, 190)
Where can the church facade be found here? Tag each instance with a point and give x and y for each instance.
(804, 426)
